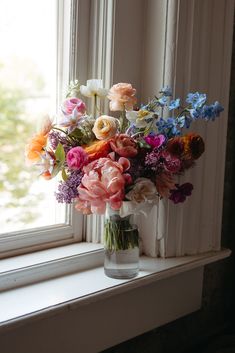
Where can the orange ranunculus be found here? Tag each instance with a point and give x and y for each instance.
(97, 149)
(35, 147)
(193, 146)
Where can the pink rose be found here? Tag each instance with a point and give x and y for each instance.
(124, 145)
(103, 181)
(122, 97)
(77, 158)
(155, 141)
(73, 103)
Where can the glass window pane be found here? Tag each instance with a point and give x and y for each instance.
(28, 65)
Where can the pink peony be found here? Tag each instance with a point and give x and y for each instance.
(103, 181)
(73, 103)
(124, 145)
(155, 141)
(77, 158)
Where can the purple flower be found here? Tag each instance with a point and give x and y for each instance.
(67, 190)
(76, 158)
(55, 137)
(181, 192)
(155, 140)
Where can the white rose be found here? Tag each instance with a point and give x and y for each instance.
(143, 190)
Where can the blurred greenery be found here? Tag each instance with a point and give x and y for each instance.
(15, 130)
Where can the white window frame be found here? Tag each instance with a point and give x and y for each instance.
(18, 242)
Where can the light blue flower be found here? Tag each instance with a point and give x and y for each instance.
(166, 91)
(195, 113)
(196, 99)
(168, 127)
(174, 104)
(218, 108)
(162, 101)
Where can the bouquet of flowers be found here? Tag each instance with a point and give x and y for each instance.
(124, 162)
(135, 157)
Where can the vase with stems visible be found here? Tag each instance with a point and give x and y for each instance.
(121, 244)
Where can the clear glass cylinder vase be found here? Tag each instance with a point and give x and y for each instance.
(121, 244)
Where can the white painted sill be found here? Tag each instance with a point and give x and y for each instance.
(58, 295)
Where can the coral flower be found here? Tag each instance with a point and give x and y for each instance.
(35, 147)
(122, 97)
(103, 182)
(124, 145)
(97, 149)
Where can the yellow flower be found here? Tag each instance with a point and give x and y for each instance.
(105, 127)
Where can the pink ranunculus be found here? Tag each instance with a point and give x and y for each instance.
(122, 97)
(124, 146)
(77, 158)
(155, 141)
(103, 181)
(73, 103)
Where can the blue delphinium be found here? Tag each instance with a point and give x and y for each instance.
(174, 104)
(166, 91)
(168, 127)
(210, 112)
(162, 101)
(196, 99)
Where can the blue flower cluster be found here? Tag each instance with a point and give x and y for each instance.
(168, 127)
(196, 109)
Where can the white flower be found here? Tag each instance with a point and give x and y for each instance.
(139, 118)
(47, 163)
(143, 190)
(93, 88)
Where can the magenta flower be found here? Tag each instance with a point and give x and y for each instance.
(181, 192)
(77, 158)
(155, 141)
(72, 104)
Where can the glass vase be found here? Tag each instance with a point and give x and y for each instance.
(121, 244)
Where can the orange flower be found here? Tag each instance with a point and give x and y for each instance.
(193, 146)
(97, 149)
(35, 147)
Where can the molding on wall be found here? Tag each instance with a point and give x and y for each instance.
(197, 55)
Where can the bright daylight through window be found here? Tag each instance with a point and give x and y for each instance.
(28, 85)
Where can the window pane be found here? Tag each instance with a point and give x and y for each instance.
(28, 65)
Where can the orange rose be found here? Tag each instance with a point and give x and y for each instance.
(35, 147)
(97, 149)
(122, 97)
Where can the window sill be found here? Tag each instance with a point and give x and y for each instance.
(19, 305)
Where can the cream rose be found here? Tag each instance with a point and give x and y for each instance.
(143, 190)
(105, 127)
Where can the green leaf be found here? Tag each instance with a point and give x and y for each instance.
(59, 153)
(64, 175)
(76, 133)
(57, 168)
